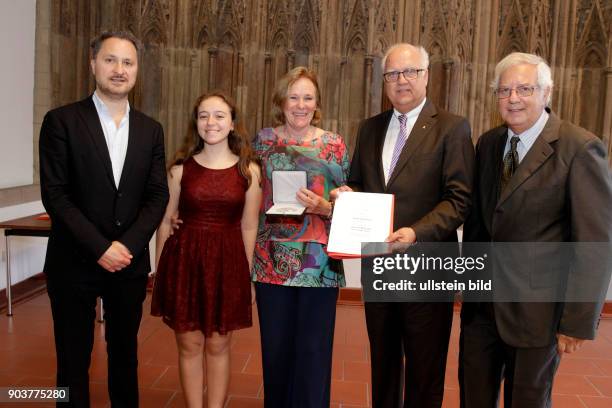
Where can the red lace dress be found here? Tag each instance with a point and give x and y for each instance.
(203, 280)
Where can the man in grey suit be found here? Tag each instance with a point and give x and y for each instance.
(424, 157)
(539, 179)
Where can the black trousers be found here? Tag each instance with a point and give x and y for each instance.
(485, 360)
(418, 331)
(73, 307)
(297, 337)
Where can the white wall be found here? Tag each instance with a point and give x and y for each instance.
(18, 22)
(27, 253)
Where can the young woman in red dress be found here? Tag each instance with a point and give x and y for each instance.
(202, 285)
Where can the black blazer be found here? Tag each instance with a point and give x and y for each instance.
(432, 180)
(78, 191)
(561, 192)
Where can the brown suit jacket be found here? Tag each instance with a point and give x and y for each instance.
(432, 180)
(561, 192)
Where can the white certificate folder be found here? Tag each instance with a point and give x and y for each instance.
(285, 185)
(359, 218)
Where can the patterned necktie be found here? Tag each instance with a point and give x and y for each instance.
(399, 143)
(511, 162)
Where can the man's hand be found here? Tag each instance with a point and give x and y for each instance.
(336, 191)
(116, 257)
(406, 235)
(175, 223)
(567, 344)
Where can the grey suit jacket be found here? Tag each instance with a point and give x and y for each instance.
(561, 192)
(432, 180)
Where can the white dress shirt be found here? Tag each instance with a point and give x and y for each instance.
(393, 131)
(528, 137)
(116, 137)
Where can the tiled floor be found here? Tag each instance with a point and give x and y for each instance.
(27, 359)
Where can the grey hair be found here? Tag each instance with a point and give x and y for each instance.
(96, 43)
(419, 48)
(518, 58)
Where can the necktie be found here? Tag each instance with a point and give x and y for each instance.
(399, 143)
(511, 162)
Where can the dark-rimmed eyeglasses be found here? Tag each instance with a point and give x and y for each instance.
(409, 73)
(523, 90)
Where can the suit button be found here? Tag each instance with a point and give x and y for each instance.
(118, 223)
(119, 195)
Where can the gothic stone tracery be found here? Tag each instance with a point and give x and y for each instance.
(243, 46)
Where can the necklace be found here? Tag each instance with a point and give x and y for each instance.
(289, 137)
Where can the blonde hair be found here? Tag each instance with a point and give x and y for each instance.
(282, 87)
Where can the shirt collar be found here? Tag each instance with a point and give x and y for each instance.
(534, 130)
(101, 106)
(412, 113)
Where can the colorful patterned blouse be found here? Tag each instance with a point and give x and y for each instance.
(291, 251)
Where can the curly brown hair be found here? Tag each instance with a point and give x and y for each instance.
(237, 139)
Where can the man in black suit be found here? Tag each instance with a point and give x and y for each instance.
(424, 156)
(103, 182)
(539, 180)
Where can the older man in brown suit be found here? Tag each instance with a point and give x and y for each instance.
(540, 180)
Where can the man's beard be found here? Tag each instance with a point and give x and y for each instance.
(116, 93)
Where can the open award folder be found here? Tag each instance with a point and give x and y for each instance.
(358, 218)
(285, 185)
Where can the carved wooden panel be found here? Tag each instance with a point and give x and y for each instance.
(592, 53)
(513, 29)
(354, 50)
(244, 46)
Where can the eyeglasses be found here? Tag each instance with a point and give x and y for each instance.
(409, 73)
(522, 90)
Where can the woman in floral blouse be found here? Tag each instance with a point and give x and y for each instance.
(296, 282)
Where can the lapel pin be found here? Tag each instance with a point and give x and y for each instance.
(424, 126)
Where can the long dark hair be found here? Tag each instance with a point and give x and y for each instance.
(237, 139)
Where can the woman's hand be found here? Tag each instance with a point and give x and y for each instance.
(315, 204)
